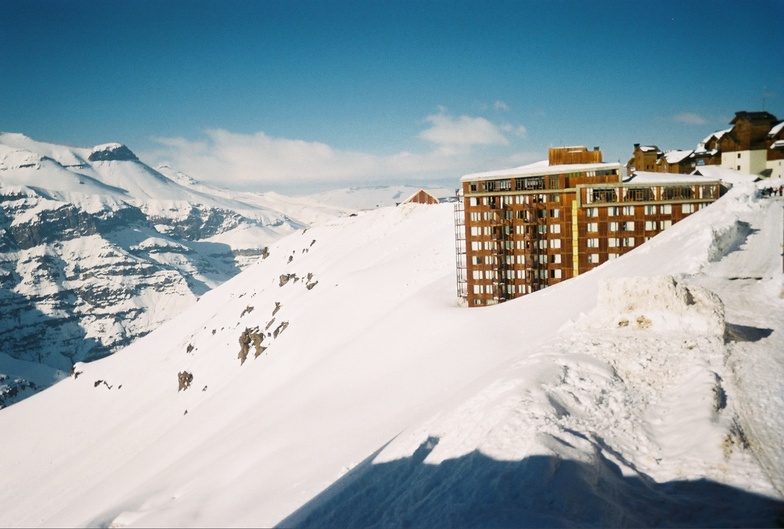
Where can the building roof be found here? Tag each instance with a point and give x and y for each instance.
(731, 176)
(421, 194)
(718, 134)
(648, 148)
(648, 178)
(676, 156)
(540, 169)
(753, 116)
(775, 129)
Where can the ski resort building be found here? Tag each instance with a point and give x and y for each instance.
(754, 144)
(421, 197)
(523, 229)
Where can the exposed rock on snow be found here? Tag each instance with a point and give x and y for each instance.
(112, 152)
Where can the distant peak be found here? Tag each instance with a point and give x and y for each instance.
(112, 152)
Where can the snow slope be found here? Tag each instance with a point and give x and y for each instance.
(339, 383)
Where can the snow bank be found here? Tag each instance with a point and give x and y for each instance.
(658, 304)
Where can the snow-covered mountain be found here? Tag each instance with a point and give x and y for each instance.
(97, 249)
(339, 383)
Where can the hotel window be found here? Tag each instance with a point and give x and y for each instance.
(611, 256)
(592, 243)
(613, 242)
(476, 260)
(555, 228)
(477, 274)
(650, 225)
(555, 258)
(555, 274)
(613, 211)
(628, 242)
(628, 225)
(666, 224)
(555, 243)
(592, 212)
(677, 193)
(476, 246)
(472, 187)
(534, 183)
(614, 226)
(628, 210)
(687, 208)
(603, 195)
(473, 202)
(593, 258)
(639, 194)
(593, 226)
(555, 213)
(479, 289)
(666, 209)
(650, 210)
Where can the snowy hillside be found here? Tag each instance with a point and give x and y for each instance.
(97, 249)
(338, 383)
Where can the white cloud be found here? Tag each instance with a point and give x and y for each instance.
(689, 118)
(259, 161)
(463, 130)
(517, 130)
(500, 105)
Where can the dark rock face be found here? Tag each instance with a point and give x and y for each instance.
(112, 153)
(201, 223)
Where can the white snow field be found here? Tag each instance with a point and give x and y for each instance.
(647, 392)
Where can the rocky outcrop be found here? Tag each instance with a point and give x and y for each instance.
(112, 152)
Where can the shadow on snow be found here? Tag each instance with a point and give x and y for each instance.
(539, 491)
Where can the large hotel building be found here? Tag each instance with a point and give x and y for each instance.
(520, 230)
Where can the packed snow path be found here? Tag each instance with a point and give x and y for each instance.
(749, 281)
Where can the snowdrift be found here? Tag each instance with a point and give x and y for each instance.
(338, 382)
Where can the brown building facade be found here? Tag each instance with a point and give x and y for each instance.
(527, 228)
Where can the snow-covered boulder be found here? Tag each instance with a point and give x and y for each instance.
(659, 304)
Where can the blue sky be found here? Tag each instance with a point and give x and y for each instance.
(303, 95)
